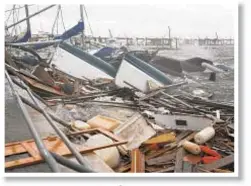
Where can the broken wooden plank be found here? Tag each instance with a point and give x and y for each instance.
(147, 96)
(182, 135)
(169, 169)
(163, 138)
(165, 158)
(188, 138)
(138, 161)
(160, 152)
(179, 160)
(124, 168)
(187, 167)
(218, 163)
(53, 144)
(222, 171)
(135, 131)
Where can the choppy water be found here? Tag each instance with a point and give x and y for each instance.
(16, 129)
(223, 87)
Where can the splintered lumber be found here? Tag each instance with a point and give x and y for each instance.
(178, 100)
(182, 135)
(188, 138)
(124, 168)
(103, 122)
(135, 130)
(147, 96)
(179, 160)
(187, 167)
(163, 159)
(192, 159)
(160, 152)
(222, 171)
(169, 169)
(163, 138)
(138, 161)
(53, 144)
(218, 163)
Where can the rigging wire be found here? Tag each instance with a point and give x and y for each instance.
(88, 20)
(17, 18)
(6, 21)
(20, 7)
(39, 15)
(61, 12)
(13, 19)
(56, 20)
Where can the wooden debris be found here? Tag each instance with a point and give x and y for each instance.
(187, 167)
(138, 161)
(218, 163)
(135, 130)
(104, 122)
(169, 169)
(163, 159)
(188, 138)
(192, 159)
(53, 144)
(124, 168)
(179, 160)
(160, 152)
(163, 138)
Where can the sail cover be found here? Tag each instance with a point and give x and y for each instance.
(24, 38)
(72, 32)
(66, 35)
(105, 52)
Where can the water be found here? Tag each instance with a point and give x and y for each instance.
(223, 87)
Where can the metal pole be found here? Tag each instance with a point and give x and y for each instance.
(211, 67)
(28, 19)
(68, 163)
(59, 132)
(34, 43)
(13, 18)
(83, 32)
(41, 147)
(23, 87)
(169, 33)
(32, 15)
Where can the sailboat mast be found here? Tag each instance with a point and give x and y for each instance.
(82, 19)
(30, 16)
(28, 19)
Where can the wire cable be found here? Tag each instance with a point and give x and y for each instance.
(88, 20)
(61, 13)
(20, 7)
(56, 20)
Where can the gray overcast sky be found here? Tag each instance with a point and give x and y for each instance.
(140, 20)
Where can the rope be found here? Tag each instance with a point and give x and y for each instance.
(88, 20)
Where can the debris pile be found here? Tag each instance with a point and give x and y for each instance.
(164, 132)
(145, 128)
